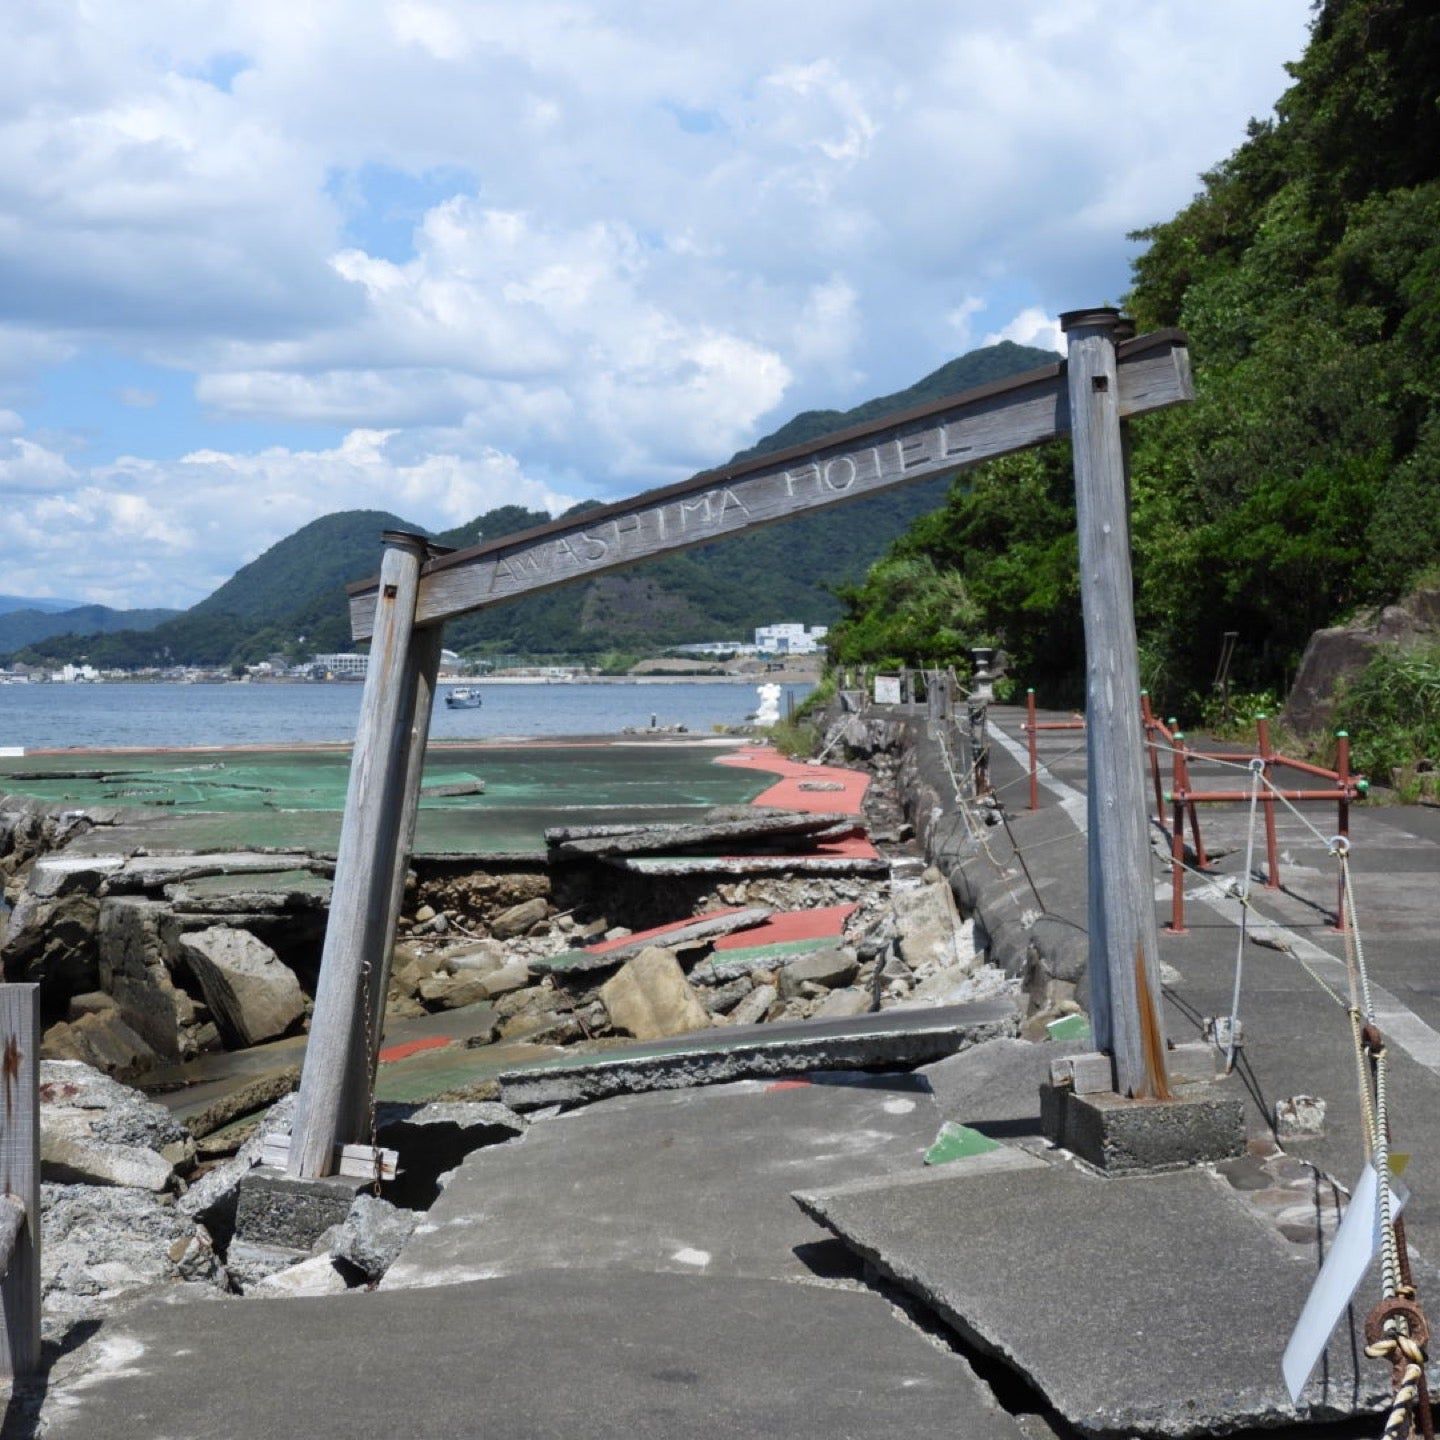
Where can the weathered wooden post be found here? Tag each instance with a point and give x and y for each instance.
(1124, 939)
(418, 703)
(20, 1182)
(356, 939)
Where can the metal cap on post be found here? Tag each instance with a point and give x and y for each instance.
(1124, 937)
(360, 902)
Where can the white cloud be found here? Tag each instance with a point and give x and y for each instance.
(28, 468)
(115, 532)
(660, 229)
(1032, 326)
(541, 335)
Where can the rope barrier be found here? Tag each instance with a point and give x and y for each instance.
(1257, 774)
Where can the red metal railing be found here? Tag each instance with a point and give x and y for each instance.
(1183, 799)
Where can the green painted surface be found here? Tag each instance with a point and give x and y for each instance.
(1069, 1027)
(282, 798)
(958, 1142)
(781, 950)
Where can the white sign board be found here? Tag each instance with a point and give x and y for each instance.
(887, 689)
(1356, 1244)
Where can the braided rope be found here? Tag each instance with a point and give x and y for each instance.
(1256, 774)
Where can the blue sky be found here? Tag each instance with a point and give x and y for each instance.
(263, 261)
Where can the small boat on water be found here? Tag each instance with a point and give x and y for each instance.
(463, 698)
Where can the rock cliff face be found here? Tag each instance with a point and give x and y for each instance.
(1341, 652)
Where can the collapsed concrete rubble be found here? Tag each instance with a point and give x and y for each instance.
(128, 1212)
(148, 961)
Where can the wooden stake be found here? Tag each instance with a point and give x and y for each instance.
(360, 901)
(418, 703)
(20, 1179)
(1124, 941)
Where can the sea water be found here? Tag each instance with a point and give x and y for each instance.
(103, 716)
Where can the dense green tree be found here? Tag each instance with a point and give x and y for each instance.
(1304, 482)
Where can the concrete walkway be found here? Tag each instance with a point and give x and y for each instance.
(1297, 1036)
(636, 1269)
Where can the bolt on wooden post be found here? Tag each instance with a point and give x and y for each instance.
(337, 1061)
(1124, 938)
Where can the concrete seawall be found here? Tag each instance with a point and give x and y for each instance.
(1030, 920)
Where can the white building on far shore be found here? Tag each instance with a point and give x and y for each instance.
(343, 665)
(789, 638)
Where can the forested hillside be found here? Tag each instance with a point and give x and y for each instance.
(1305, 480)
(20, 627)
(297, 588)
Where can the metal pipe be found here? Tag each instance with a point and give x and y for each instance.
(1342, 820)
(1148, 721)
(1272, 844)
(1177, 839)
(1198, 797)
(1034, 750)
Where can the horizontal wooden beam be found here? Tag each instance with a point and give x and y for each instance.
(938, 438)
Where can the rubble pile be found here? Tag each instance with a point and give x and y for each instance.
(127, 1210)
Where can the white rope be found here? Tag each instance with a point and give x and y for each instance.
(1280, 795)
(1257, 772)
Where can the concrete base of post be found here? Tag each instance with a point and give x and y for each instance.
(274, 1209)
(1122, 1136)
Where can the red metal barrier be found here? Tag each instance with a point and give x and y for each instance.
(1183, 800)
(1344, 788)
(1032, 727)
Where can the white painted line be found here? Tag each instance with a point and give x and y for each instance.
(1072, 801)
(1396, 1020)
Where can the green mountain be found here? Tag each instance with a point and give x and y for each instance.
(19, 628)
(722, 591)
(1304, 481)
(46, 606)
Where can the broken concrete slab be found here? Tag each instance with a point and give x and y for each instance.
(513, 976)
(153, 872)
(253, 995)
(54, 875)
(647, 1357)
(282, 891)
(832, 968)
(70, 1154)
(103, 1243)
(1206, 1291)
(433, 1139)
(319, 1275)
(759, 824)
(712, 926)
(816, 864)
(691, 1182)
(843, 1003)
(929, 929)
(102, 1040)
(134, 968)
(891, 1040)
(372, 1234)
(110, 1111)
(755, 1006)
(995, 1087)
